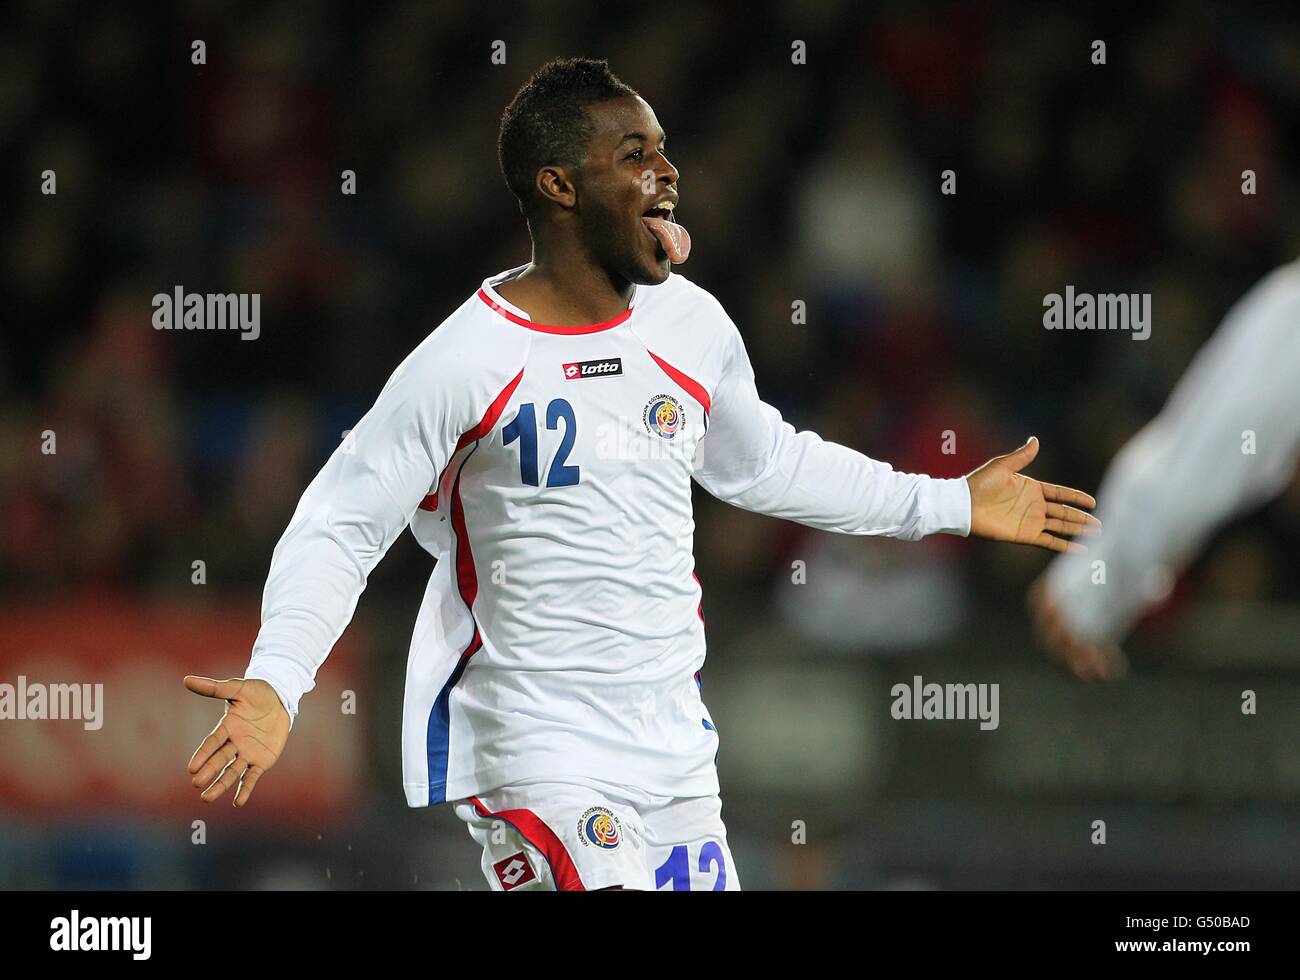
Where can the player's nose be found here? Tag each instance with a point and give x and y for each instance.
(666, 172)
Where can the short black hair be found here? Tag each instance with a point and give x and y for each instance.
(547, 123)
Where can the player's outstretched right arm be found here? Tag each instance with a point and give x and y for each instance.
(350, 514)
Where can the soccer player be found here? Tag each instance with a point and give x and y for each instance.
(541, 443)
(1227, 441)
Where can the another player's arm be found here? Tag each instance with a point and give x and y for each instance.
(348, 517)
(754, 459)
(1185, 474)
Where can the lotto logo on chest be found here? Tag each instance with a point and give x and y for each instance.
(607, 367)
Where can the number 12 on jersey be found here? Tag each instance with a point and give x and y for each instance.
(524, 429)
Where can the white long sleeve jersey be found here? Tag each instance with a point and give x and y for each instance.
(548, 470)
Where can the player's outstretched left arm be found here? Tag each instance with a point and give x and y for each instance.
(1006, 505)
(246, 742)
(754, 459)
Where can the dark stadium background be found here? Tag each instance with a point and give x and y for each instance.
(817, 183)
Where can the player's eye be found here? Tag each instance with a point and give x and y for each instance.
(635, 154)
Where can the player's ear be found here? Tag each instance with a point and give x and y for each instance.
(556, 185)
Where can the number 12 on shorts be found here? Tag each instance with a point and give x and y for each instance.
(677, 868)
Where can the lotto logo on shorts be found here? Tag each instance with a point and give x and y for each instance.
(514, 871)
(600, 828)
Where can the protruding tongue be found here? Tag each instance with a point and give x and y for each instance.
(675, 239)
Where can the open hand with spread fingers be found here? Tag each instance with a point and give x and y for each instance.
(1005, 505)
(246, 742)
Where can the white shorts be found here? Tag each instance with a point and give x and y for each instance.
(581, 835)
